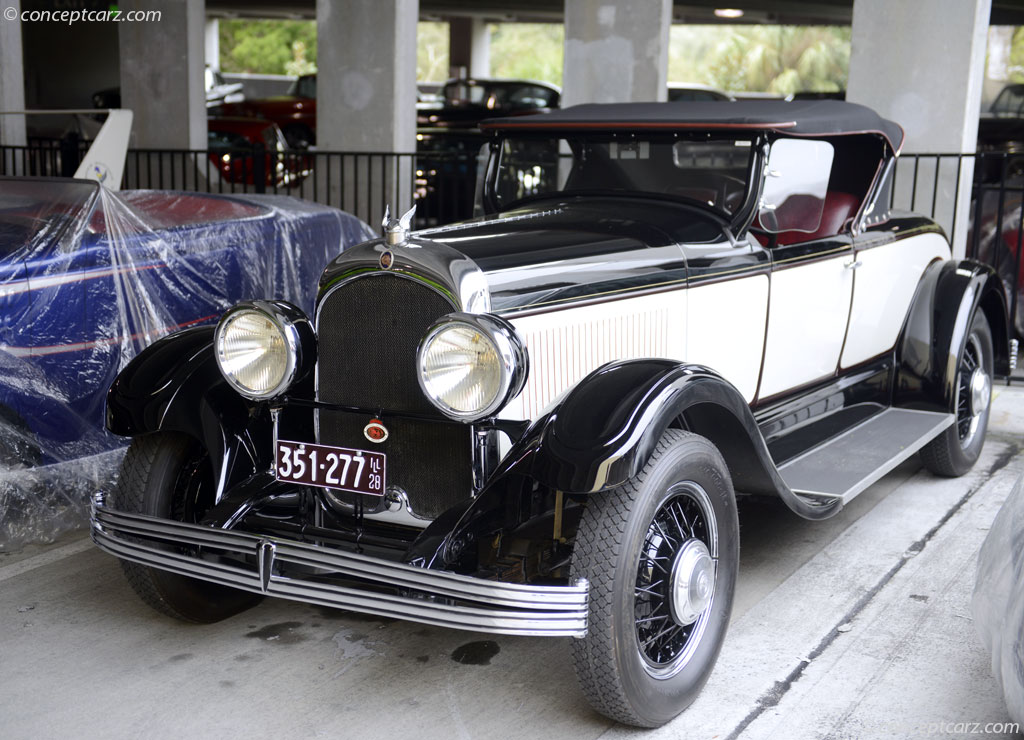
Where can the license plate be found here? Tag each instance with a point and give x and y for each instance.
(359, 471)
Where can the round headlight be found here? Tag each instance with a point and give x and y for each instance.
(258, 348)
(471, 365)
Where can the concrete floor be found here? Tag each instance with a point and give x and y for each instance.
(857, 627)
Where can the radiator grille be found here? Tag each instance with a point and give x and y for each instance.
(368, 330)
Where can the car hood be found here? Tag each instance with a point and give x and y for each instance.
(567, 250)
(569, 229)
(276, 103)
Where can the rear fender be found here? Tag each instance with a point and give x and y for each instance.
(936, 330)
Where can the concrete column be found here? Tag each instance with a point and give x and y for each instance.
(616, 51)
(921, 63)
(12, 76)
(162, 74)
(366, 101)
(213, 43)
(469, 46)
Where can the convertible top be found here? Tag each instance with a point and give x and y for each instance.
(792, 118)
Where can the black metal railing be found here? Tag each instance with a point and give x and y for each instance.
(977, 198)
(442, 184)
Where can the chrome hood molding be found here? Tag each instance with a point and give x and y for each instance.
(445, 269)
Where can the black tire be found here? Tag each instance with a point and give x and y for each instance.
(955, 451)
(169, 475)
(630, 670)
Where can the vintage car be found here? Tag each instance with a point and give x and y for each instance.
(89, 277)
(234, 144)
(537, 422)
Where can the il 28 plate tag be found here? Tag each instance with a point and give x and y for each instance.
(359, 471)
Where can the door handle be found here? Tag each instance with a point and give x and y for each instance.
(853, 264)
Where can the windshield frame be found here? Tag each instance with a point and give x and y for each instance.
(737, 220)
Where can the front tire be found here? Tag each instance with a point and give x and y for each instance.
(661, 554)
(955, 451)
(168, 475)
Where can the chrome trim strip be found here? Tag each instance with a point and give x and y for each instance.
(494, 606)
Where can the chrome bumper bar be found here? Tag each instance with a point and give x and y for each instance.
(428, 596)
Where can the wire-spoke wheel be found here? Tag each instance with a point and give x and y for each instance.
(660, 553)
(675, 580)
(955, 451)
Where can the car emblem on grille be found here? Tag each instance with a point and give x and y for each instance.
(375, 431)
(387, 259)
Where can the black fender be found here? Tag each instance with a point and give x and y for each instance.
(936, 330)
(602, 433)
(175, 385)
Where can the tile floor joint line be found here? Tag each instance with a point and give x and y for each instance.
(774, 695)
(21, 567)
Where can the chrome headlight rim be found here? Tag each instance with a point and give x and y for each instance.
(290, 322)
(514, 361)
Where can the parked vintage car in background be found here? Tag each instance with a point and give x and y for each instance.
(537, 422)
(234, 145)
(995, 236)
(218, 92)
(89, 277)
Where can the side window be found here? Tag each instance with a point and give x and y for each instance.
(795, 185)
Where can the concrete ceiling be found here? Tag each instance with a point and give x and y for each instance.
(785, 12)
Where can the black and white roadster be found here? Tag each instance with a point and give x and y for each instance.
(537, 422)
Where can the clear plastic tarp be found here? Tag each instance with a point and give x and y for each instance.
(88, 278)
(998, 603)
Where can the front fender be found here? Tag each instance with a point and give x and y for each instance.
(175, 385)
(936, 330)
(602, 433)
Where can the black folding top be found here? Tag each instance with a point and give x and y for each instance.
(793, 118)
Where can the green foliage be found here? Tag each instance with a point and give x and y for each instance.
(527, 50)
(1016, 66)
(268, 47)
(431, 52)
(780, 59)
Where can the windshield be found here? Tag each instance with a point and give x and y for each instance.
(304, 87)
(34, 213)
(1010, 101)
(711, 172)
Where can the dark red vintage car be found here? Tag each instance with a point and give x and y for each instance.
(234, 143)
(294, 113)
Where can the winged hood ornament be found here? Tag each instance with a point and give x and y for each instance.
(396, 230)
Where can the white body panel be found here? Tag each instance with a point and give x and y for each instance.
(566, 345)
(725, 329)
(884, 287)
(807, 317)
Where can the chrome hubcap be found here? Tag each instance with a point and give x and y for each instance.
(693, 582)
(980, 391)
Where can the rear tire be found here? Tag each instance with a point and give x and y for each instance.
(955, 451)
(168, 475)
(672, 530)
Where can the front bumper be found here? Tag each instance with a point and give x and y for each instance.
(253, 563)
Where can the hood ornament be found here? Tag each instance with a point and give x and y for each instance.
(396, 230)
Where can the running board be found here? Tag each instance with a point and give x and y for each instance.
(846, 465)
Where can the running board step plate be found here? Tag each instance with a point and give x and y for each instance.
(846, 465)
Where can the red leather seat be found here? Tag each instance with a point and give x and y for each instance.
(839, 207)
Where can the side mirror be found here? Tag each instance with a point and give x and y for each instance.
(796, 181)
